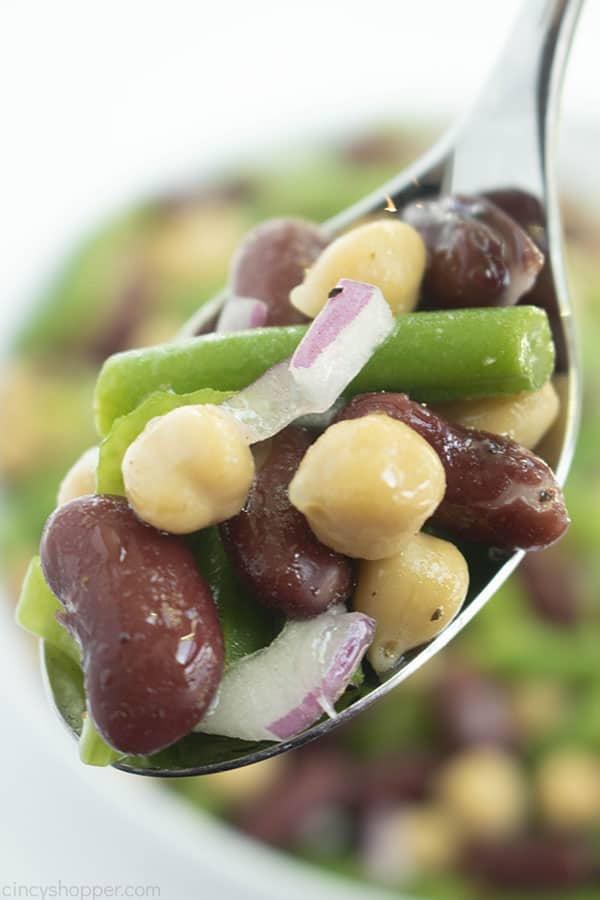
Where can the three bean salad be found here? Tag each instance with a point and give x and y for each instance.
(354, 410)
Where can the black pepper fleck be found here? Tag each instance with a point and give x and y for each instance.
(545, 496)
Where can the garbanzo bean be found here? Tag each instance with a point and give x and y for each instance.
(412, 596)
(539, 706)
(367, 484)
(567, 787)
(81, 477)
(188, 469)
(410, 840)
(238, 787)
(484, 792)
(524, 417)
(387, 253)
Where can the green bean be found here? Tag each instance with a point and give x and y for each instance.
(125, 430)
(246, 626)
(431, 355)
(36, 612)
(93, 750)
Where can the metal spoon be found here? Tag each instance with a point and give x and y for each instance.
(506, 142)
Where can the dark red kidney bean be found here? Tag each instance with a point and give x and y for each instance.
(497, 492)
(317, 779)
(470, 709)
(527, 210)
(553, 587)
(476, 254)
(534, 864)
(272, 546)
(129, 308)
(271, 260)
(404, 777)
(381, 148)
(233, 190)
(134, 600)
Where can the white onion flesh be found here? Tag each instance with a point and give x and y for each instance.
(338, 343)
(279, 691)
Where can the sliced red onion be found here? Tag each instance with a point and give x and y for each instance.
(338, 343)
(342, 338)
(277, 692)
(240, 313)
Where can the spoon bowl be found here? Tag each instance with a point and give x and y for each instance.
(505, 146)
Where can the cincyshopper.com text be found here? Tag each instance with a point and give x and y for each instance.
(61, 889)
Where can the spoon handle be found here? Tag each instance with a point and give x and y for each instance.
(508, 139)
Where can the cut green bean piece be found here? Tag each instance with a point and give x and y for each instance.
(93, 749)
(36, 612)
(246, 626)
(431, 355)
(124, 431)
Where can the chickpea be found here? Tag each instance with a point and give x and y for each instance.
(411, 840)
(246, 784)
(81, 477)
(195, 242)
(367, 484)
(539, 707)
(156, 328)
(567, 786)
(44, 416)
(412, 596)
(387, 253)
(483, 791)
(430, 838)
(550, 447)
(188, 469)
(523, 417)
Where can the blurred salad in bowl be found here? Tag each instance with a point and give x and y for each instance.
(479, 777)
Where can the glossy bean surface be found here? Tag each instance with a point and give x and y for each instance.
(472, 710)
(272, 547)
(133, 598)
(546, 863)
(477, 254)
(273, 259)
(497, 492)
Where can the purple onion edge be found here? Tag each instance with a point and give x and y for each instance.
(334, 682)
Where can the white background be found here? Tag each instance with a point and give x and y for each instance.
(100, 101)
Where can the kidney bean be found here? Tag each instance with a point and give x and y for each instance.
(133, 598)
(131, 305)
(553, 587)
(318, 779)
(497, 492)
(272, 547)
(477, 254)
(534, 864)
(381, 148)
(527, 210)
(273, 259)
(471, 709)
(234, 189)
(402, 777)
